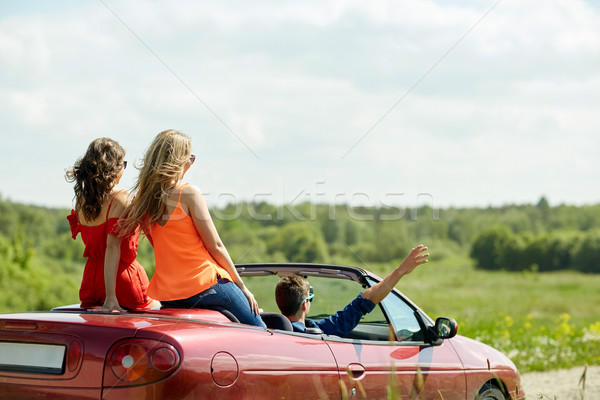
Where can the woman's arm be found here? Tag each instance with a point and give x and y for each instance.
(111, 263)
(112, 257)
(195, 205)
(380, 290)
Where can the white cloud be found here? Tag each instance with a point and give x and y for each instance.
(300, 83)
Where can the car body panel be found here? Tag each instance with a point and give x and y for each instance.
(267, 361)
(481, 360)
(420, 370)
(95, 333)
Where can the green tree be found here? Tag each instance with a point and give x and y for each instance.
(489, 245)
(350, 233)
(331, 229)
(511, 255)
(299, 242)
(461, 226)
(587, 256)
(544, 208)
(551, 251)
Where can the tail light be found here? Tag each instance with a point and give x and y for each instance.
(74, 355)
(139, 361)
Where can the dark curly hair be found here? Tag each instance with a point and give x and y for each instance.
(95, 175)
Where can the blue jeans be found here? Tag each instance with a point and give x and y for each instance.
(224, 295)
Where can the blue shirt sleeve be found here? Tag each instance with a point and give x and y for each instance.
(344, 321)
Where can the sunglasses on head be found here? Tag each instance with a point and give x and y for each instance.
(192, 159)
(124, 164)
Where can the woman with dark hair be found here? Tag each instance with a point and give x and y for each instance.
(193, 267)
(112, 277)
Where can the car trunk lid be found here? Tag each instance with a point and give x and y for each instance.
(57, 349)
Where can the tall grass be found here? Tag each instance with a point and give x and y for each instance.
(534, 346)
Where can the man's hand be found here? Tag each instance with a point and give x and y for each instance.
(378, 292)
(413, 259)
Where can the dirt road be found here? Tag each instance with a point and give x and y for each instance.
(562, 384)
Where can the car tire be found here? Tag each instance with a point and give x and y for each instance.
(490, 392)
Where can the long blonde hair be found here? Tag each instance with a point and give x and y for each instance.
(160, 170)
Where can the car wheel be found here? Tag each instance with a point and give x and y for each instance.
(490, 392)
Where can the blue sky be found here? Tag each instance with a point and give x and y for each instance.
(470, 103)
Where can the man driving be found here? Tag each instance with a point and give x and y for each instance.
(294, 296)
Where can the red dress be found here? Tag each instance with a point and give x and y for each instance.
(132, 280)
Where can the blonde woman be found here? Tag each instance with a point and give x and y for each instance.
(193, 267)
(112, 277)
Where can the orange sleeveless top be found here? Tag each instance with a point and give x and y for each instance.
(184, 267)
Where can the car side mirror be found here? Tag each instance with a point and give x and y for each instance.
(445, 328)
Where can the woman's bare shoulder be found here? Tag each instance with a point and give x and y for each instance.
(190, 189)
(124, 194)
(119, 203)
(192, 198)
(122, 198)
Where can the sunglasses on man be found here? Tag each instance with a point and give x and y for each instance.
(311, 296)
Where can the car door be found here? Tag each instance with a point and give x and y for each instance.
(401, 365)
(236, 361)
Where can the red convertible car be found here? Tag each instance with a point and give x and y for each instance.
(396, 352)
